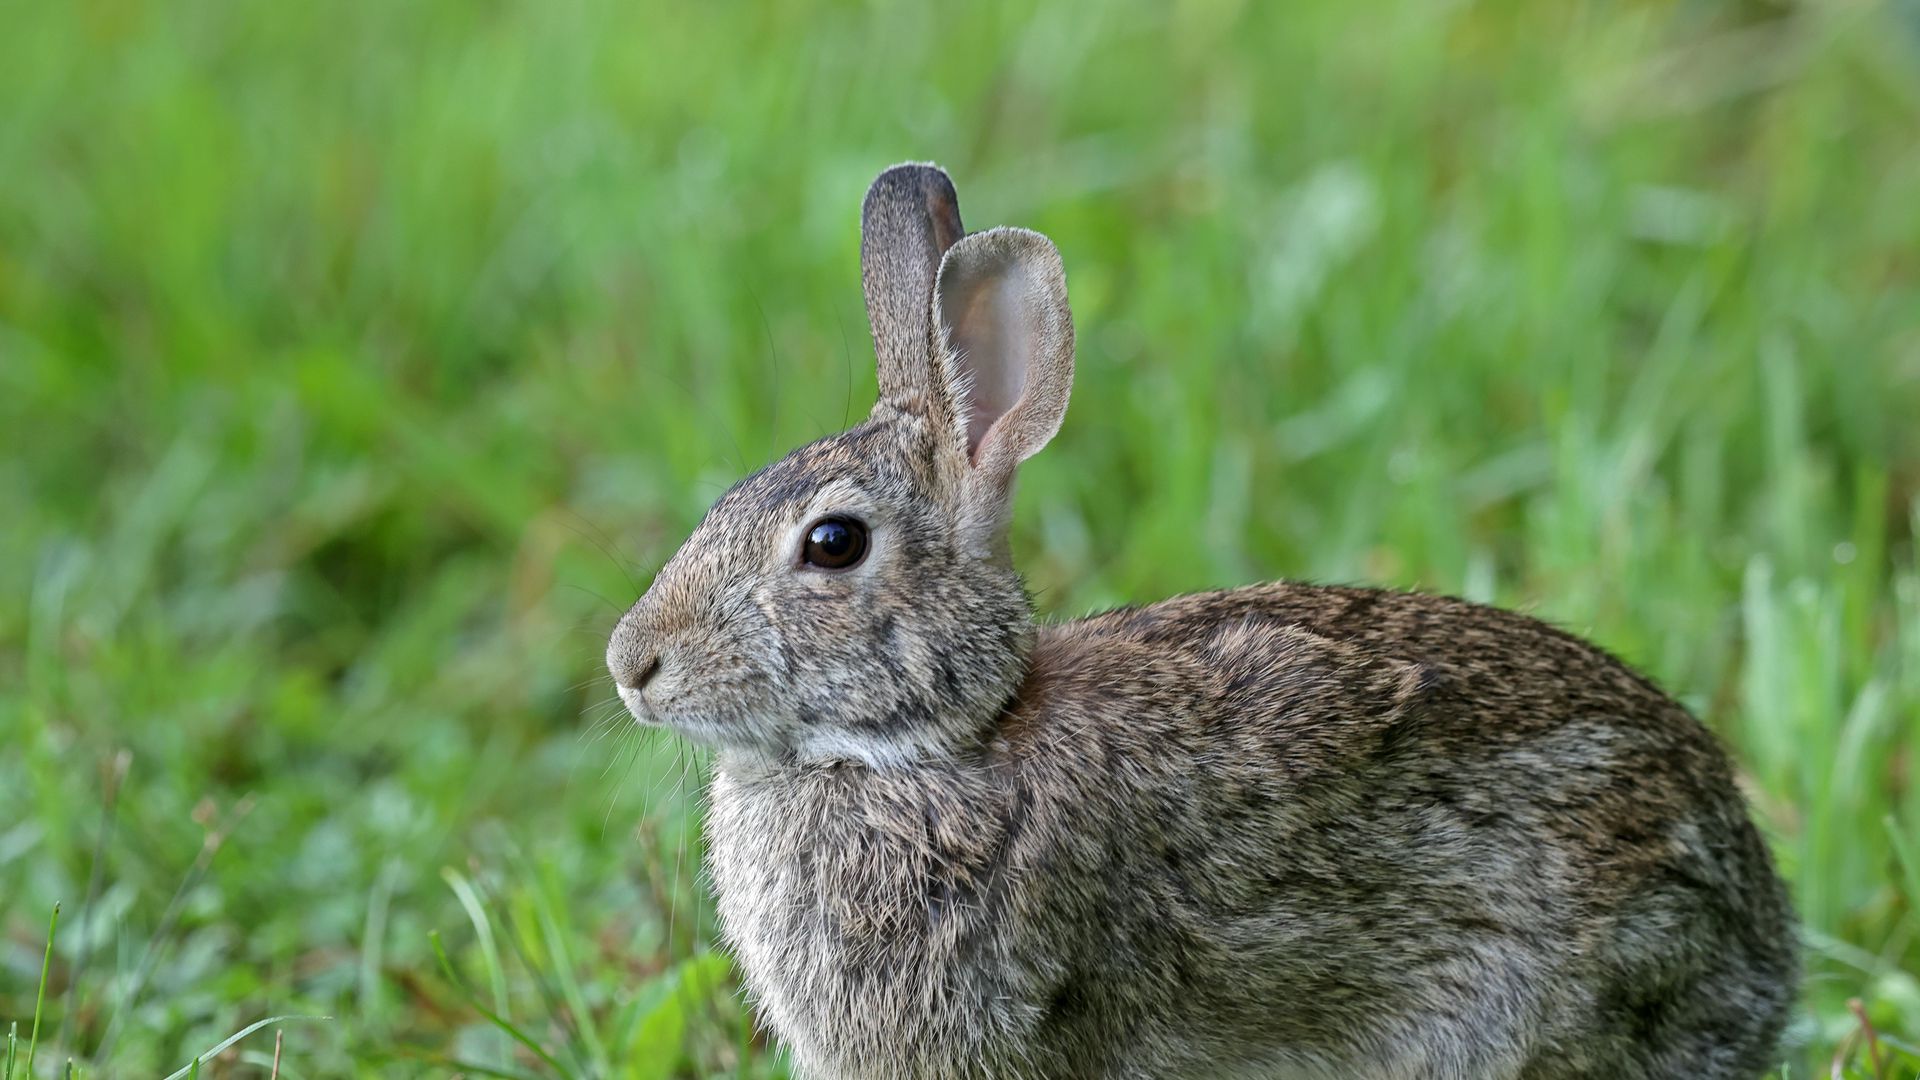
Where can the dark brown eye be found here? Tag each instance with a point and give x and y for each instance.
(835, 543)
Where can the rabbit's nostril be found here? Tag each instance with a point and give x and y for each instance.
(636, 676)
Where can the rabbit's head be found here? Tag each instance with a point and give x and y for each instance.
(856, 599)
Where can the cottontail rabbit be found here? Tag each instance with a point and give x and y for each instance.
(1279, 831)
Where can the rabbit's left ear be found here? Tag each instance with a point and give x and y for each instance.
(1001, 308)
(910, 218)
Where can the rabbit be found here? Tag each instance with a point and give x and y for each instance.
(1283, 831)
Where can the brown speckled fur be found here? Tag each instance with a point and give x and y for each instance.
(1284, 831)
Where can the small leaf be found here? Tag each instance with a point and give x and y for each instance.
(658, 1037)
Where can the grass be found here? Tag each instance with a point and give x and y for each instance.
(358, 361)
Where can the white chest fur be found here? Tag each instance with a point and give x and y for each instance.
(860, 908)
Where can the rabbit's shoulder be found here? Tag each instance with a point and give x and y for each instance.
(1216, 676)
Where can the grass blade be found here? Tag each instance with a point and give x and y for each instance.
(547, 912)
(464, 892)
(113, 775)
(477, 1069)
(456, 1065)
(40, 998)
(1909, 860)
(193, 1069)
(522, 933)
(373, 937)
(501, 1022)
(169, 919)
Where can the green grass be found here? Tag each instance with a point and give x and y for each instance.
(359, 360)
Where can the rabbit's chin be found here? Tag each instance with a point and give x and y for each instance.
(749, 743)
(733, 738)
(720, 729)
(754, 737)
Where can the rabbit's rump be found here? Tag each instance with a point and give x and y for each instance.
(1282, 831)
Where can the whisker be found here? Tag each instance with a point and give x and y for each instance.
(597, 596)
(773, 378)
(592, 534)
(632, 747)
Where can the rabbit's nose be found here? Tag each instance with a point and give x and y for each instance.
(635, 672)
(636, 650)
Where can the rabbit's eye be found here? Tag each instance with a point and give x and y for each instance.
(835, 543)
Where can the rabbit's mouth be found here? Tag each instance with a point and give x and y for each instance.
(637, 707)
(722, 720)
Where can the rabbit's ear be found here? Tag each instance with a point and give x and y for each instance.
(1001, 305)
(910, 218)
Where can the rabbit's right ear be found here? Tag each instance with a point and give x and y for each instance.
(910, 218)
(1007, 337)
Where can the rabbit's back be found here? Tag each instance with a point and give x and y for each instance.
(1467, 816)
(1283, 831)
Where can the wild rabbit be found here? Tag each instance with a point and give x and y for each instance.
(1281, 831)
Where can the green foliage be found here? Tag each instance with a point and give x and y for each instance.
(358, 360)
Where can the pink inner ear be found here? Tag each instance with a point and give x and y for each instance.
(992, 355)
(982, 414)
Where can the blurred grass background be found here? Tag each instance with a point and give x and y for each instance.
(359, 360)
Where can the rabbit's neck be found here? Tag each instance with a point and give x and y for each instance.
(891, 752)
(916, 732)
(859, 901)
